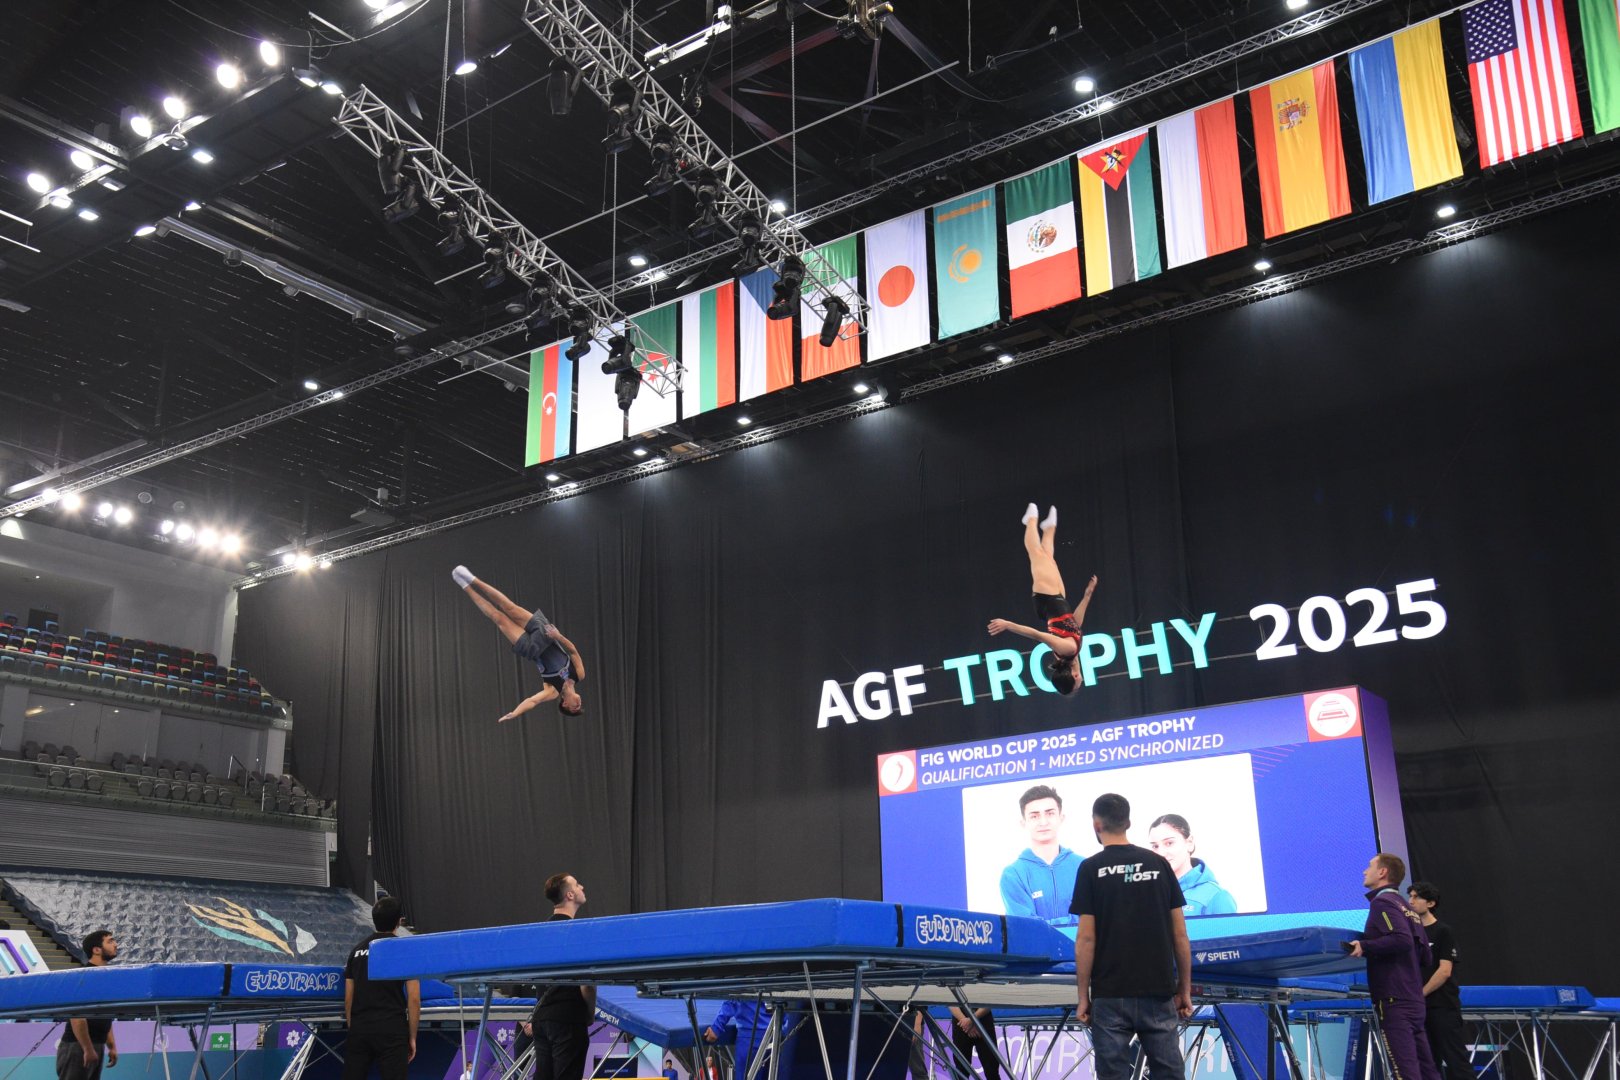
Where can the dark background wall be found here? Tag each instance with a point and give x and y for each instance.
(1451, 416)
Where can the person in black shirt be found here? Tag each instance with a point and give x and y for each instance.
(382, 1013)
(1443, 1019)
(1132, 961)
(1062, 624)
(563, 1014)
(79, 1055)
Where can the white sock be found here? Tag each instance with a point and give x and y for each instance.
(1031, 514)
(1050, 521)
(462, 576)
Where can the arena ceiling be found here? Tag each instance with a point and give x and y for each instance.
(116, 348)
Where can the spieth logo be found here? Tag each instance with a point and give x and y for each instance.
(1217, 957)
(950, 930)
(280, 980)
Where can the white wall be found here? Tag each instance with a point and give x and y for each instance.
(113, 587)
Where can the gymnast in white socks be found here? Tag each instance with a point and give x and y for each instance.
(1062, 625)
(534, 638)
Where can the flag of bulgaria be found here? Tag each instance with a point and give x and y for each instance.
(656, 344)
(551, 405)
(1600, 31)
(1117, 212)
(709, 349)
(1043, 264)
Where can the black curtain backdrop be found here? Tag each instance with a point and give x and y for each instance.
(1451, 416)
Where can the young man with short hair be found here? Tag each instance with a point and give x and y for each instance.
(563, 1014)
(382, 1014)
(1443, 1019)
(1040, 882)
(1397, 953)
(1132, 960)
(87, 1043)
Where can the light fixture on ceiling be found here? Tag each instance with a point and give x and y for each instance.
(175, 107)
(640, 451)
(552, 478)
(1445, 210)
(104, 510)
(332, 87)
(778, 206)
(207, 538)
(861, 388)
(228, 75)
(88, 214)
(123, 515)
(467, 66)
(1105, 104)
(1298, 5)
(743, 421)
(183, 532)
(140, 126)
(230, 544)
(665, 167)
(193, 205)
(1004, 358)
(39, 182)
(167, 528)
(638, 261)
(72, 501)
(145, 230)
(785, 290)
(311, 385)
(270, 54)
(302, 562)
(624, 107)
(110, 184)
(308, 76)
(81, 160)
(833, 321)
(61, 199)
(1262, 266)
(202, 157)
(1085, 84)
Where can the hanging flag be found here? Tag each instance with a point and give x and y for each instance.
(1518, 67)
(1300, 150)
(1403, 108)
(1043, 265)
(709, 349)
(1201, 184)
(1600, 32)
(967, 282)
(551, 405)
(816, 359)
(656, 349)
(1118, 213)
(598, 421)
(896, 282)
(764, 346)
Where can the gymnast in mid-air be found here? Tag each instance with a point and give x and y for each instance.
(534, 638)
(1062, 632)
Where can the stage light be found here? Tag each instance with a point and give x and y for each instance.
(1263, 266)
(167, 528)
(1004, 358)
(706, 189)
(104, 510)
(1446, 210)
(640, 451)
(579, 321)
(665, 167)
(145, 230)
(302, 562)
(288, 558)
(193, 205)
(202, 157)
(552, 478)
(750, 233)
(123, 515)
(620, 357)
(833, 321)
(110, 184)
(39, 182)
(638, 261)
(403, 207)
(207, 538)
(270, 53)
(337, 394)
(140, 125)
(785, 291)
(61, 200)
(778, 206)
(562, 85)
(332, 88)
(72, 501)
(229, 76)
(82, 161)
(175, 107)
(626, 385)
(860, 388)
(656, 461)
(1105, 104)
(543, 305)
(391, 167)
(326, 564)
(659, 275)
(879, 395)
(467, 67)
(455, 237)
(311, 385)
(1298, 5)
(494, 271)
(230, 544)
(88, 214)
(1085, 84)
(308, 76)
(743, 421)
(183, 532)
(624, 104)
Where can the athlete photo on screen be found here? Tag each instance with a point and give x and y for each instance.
(1172, 838)
(1062, 624)
(1040, 882)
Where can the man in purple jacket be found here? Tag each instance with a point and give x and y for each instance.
(1397, 952)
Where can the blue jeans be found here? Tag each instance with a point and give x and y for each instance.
(1152, 1020)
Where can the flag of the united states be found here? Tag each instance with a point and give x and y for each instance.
(1518, 65)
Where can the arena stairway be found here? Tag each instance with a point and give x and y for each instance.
(54, 955)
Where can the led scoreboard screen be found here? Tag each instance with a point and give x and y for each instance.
(1267, 811)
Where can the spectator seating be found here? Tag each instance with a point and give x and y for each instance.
(62, 768)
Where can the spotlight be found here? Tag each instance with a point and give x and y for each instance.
(183, 532)
(270, 53)
(543, 305)
(743, 421)
(640, 451)
(167, 527)
(785, 292)
(861, 388)
(552, 478)
(750, 232)
(638, 261)
(82, 161)
(193, 205)
(1298, 5)
(233, 258)
(207, 538)
(1445, 210)
(303, 562)
(706, 188)
(665, 167)
(61, 200)
(336, 394)
(455, 237)
(833, 321)
(202, 157)
(326, 564)
(175, 107)
(1263, 266)
(288, 558)
(104, 510)
(518, 305)
(145, 230)
(1105, 104)
(110, 184)
(467, 67)
(229, 76)
(579, 321)
(391, 167)
(140, 125)
(494, 271)
(376, 5)
(39, 182)
(50, 495)
(562, 85)
(311, 385)
(308, 76)
(1005, 358)
(778, 206)
(624, 103)
(1085, 84)
(879, 395)
(626, 385)
(403, 207)
(72, 501)
(334, 89)
(123, 515)
(88, 214)
(230, 544)
(656, 461)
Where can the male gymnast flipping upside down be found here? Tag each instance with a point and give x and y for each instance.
(1062, 630)
(534, 638)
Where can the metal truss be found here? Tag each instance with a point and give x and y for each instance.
(1247, 294)
(1294, 28)
(374, 125)
(573, 32)
(447, 351)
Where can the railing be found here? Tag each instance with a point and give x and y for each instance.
(174, 703)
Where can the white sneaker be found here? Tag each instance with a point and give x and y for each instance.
(462, 576)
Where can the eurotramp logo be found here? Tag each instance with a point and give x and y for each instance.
(953, 930)
(286, 981)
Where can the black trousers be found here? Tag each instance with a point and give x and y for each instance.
(560, 1050)
(966, 1043)
(70, 1061)
(1448, 1043)
(391, 1053)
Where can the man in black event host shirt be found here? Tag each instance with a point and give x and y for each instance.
(382, 1013)
(1132, 962)
(1443, 1019)
(563, 1014)
(86, 1043)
